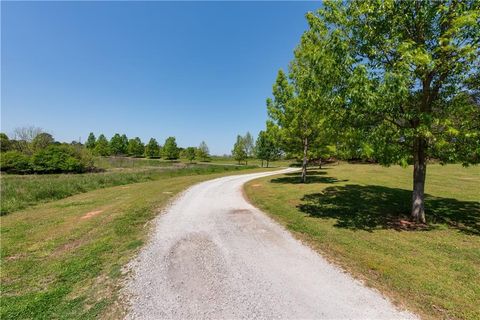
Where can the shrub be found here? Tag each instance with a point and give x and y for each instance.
(61, 158)
(15, 162)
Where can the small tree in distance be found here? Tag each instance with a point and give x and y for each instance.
(152, 149)
(102, 147)
(190, 153)
(238, 151)
(91, 141)
(202, 151)
(170, 149)
(135, 147)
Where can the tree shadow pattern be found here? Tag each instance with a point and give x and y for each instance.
(313, 176)
(372, 207)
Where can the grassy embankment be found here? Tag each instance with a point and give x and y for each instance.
(63, 259)
(21, 191)
(356, 216)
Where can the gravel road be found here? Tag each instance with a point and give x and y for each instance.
(212, 255)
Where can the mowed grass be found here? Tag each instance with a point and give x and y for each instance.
(357, 217)
(21, 191)
(63, 259)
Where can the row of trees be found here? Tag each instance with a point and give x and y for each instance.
(120, 145)
(395, 81)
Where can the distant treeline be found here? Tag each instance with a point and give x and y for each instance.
(34, 151)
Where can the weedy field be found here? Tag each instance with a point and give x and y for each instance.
(21, 191)
(356, 216)
(63, 259)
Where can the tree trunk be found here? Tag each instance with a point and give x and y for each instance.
(304, 163)
(262, 163)
(320, 163)
(267, 163)
(419, 174)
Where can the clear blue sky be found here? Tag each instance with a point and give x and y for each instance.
(196, 71)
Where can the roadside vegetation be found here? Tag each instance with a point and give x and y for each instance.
(21, 191)
(357, 216)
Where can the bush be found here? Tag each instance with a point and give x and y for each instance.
(15, 162)
(60, 158)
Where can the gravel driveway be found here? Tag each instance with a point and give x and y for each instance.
(214, 255)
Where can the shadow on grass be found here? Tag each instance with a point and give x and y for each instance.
(313, 176)
(376, 207)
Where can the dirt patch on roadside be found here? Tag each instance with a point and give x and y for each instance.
(90, 214)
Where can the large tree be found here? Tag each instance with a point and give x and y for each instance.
(411, 66)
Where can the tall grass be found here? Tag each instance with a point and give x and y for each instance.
(21, 191)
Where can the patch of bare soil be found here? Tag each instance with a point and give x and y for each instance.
(90, 214)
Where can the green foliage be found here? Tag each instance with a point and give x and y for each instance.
(119, 144)
(239, 153)
(15, 162)
(5, 143)
(135, 147)
(152, 149)
(170, 150)
(408, 74)
(102, 147)
(61, 158)
(91, 141)
(249, 144)
(42, 140)
(190, 153)
(202, 151)
(266, 147)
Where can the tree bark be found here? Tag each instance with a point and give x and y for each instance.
(267, 163)
(419, 175)
(304, 163)
(320, 163)
(262, 163)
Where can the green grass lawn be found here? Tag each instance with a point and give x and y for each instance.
(63, 259)
(357, 217)
(21, 191)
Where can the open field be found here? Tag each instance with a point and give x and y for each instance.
(21, 191)
(63, 259)
(354, 216)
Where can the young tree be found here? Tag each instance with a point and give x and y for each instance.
(409, 90)
(102, 147)
(170, 149)
(295, 114)
(202, 151)
(91, 141)
(190, 153)
(135, 147)
(119, 144)
(152, 149)
(249, 145)
(266, 148)
(238, 151)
